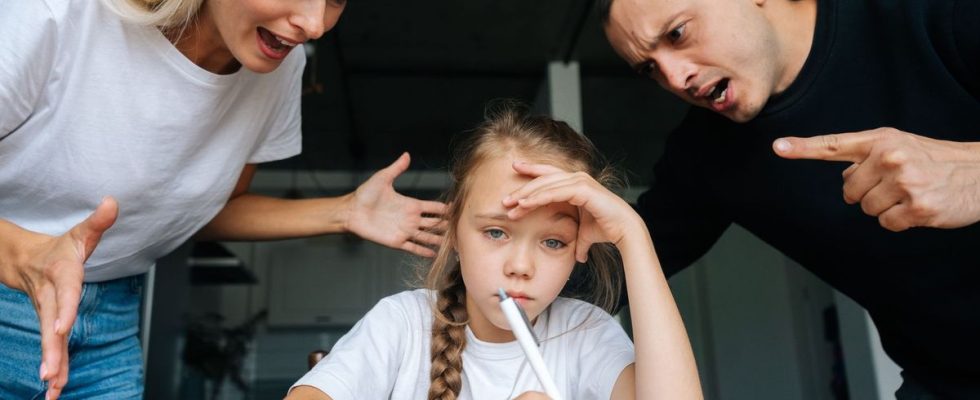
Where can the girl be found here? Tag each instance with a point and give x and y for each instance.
(166, 106)
(528, 200)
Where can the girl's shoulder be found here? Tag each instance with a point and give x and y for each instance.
(572, 314)
(414, 304)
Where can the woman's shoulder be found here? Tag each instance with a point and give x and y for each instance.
(63, 10)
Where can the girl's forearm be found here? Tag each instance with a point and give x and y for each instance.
(665, 366)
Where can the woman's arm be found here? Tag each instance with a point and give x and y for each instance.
(50, 270)
(374, 212)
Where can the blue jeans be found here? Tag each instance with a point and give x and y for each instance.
(105, 360)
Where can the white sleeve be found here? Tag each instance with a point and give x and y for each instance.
(27, 50)
(364, 363)
(603, 359)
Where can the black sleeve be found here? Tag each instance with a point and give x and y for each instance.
(966, 39)
(678, 209)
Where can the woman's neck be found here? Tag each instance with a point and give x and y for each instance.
(201, 42)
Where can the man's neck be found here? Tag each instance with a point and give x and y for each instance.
(795, 23)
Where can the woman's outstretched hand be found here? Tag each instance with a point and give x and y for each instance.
(50, 270)
(604, 216)
(380, 214)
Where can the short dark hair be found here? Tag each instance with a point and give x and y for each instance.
(604, 6)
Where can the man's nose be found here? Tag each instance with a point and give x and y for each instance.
(678, 74)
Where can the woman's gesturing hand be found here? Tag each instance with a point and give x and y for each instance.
(50, 270)
(382, 215)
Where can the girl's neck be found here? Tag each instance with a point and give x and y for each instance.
(201, 42)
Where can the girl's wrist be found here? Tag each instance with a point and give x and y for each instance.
(635, 235)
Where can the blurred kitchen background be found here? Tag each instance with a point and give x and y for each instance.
(409, 76)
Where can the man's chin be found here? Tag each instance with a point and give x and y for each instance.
(741, 115)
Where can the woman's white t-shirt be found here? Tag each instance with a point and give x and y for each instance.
(91, 106)
(386, 355)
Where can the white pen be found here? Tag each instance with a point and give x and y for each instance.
(522, 331)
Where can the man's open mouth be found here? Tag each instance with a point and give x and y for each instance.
(720, 92)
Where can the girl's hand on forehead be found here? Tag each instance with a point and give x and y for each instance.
(603, 216)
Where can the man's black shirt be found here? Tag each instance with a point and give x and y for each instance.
(909, 64)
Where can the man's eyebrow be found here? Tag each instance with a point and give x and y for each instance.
(651, 44)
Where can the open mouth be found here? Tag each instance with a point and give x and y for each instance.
(276, 46)
(719, 94)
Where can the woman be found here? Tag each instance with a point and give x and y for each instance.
(152, 113)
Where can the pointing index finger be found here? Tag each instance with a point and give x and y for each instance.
(851, 146)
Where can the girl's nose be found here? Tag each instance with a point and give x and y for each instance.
(521, 263)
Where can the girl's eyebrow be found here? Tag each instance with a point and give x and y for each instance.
(494, 216)
(561, 216)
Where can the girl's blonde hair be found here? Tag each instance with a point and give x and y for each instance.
(509, 128)
(164, 14)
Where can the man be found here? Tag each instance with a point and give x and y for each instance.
(863, 82)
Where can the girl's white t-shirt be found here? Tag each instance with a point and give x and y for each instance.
(91, 106)
(386, 355)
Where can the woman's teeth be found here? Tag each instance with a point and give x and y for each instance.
(285, 42)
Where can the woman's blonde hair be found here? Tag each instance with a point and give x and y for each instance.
(508, 128)
(164, 14)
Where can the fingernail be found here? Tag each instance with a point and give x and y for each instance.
(506, 199)
(783, 145)
(43, 371)
(57, 326)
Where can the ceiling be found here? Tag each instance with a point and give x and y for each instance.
(399, 76)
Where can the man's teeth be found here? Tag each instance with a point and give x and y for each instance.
(721, 96)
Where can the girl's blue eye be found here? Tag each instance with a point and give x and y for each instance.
(495, 234)
(554, 244)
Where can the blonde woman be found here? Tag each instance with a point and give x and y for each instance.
(529, 200)
(126, 127)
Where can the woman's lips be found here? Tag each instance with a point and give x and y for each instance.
(273, 46)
